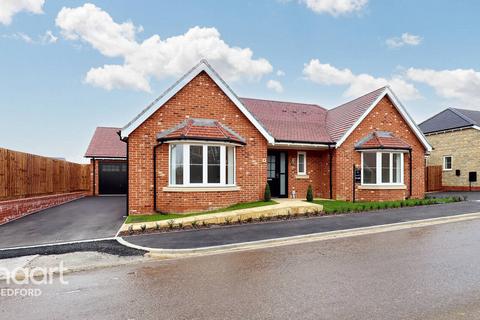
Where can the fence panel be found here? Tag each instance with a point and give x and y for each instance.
(433, 177)
(24, 175)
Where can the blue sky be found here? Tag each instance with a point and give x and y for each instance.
(55, 88)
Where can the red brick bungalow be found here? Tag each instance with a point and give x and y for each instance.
(198, 146)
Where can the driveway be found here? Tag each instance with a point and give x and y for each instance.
(83, 219)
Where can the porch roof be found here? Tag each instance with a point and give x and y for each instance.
(201, 129)
(381, 140)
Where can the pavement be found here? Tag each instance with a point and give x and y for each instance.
(82, 219)
(471, 195)
(422, 273)
(226, 235)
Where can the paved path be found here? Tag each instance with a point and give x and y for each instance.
(260, 231)
(82, 219)
(428, 273)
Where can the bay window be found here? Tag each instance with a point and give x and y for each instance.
(382, 168)
(202, 165)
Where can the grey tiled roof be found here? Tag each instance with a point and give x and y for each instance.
(451, 118)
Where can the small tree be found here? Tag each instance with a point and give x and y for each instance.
(310, 193)
(267, 196)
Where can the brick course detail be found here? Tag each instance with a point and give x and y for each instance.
(14, 209)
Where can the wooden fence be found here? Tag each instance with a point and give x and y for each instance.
(433, 178)
(25, 175)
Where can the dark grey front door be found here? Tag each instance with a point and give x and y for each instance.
(277, 173)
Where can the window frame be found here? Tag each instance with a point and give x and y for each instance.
(186, 165)
(379, 168)
(444, 162)
(304, 173)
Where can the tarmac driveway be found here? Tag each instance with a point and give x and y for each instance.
(82, 219)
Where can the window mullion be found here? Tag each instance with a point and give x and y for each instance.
(222, 164)
(379, 167)
(390, 169)
(205, 164)
(186, 164)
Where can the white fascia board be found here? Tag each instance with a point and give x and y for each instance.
(296, 145)
(167, 95)
(403, 112)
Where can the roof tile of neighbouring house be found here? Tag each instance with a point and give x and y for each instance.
(381, 140)
(201, 129)
(289, 121)
(106, 143)
(451, 118)
(343, 117)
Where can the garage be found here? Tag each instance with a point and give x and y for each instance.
(108, 159)
(112, 178)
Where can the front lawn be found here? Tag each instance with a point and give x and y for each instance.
(338, 206)
(159, 217)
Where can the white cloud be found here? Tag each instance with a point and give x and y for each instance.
(405, 39)
(280, 73)
(153, 57)
(18, 36)
(459, 84)
(358, 84)
(275, 86)
(335, 7)
(8, 8)
(48, 37)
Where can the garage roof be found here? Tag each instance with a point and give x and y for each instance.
(106, 143)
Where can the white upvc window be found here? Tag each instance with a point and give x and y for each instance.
(196, 164)
(301, 163)
(447, 163)
(382, 168)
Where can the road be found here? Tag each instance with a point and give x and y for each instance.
(420, 273)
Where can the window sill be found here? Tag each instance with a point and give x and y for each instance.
(383, 187)
(302, 176)
(201, 189)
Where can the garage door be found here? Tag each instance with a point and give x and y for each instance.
(112, 178)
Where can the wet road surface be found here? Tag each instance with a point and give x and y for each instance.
(420, 273)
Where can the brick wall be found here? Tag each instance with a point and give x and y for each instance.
(317, 174)
(463, 147)
(14, 209)
(384, 117)
(201, 98)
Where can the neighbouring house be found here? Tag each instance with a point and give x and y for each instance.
(198, 146)
(455, 137)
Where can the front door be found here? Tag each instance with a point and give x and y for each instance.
(277, 173)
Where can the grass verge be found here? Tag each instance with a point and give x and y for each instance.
(159, 217)
(338, 206)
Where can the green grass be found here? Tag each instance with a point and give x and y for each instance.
(338, 206)
(159, 217)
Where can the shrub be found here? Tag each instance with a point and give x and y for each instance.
(194, 224)
(262, 217)
(170, 224)
(249, 219)
(143, 227)
(228, 220)
(204, 223)
(180, 225)
(157, 226)
(267, 196)
(130, 229)
(239, 220)
(289, 214)
(310, 193)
